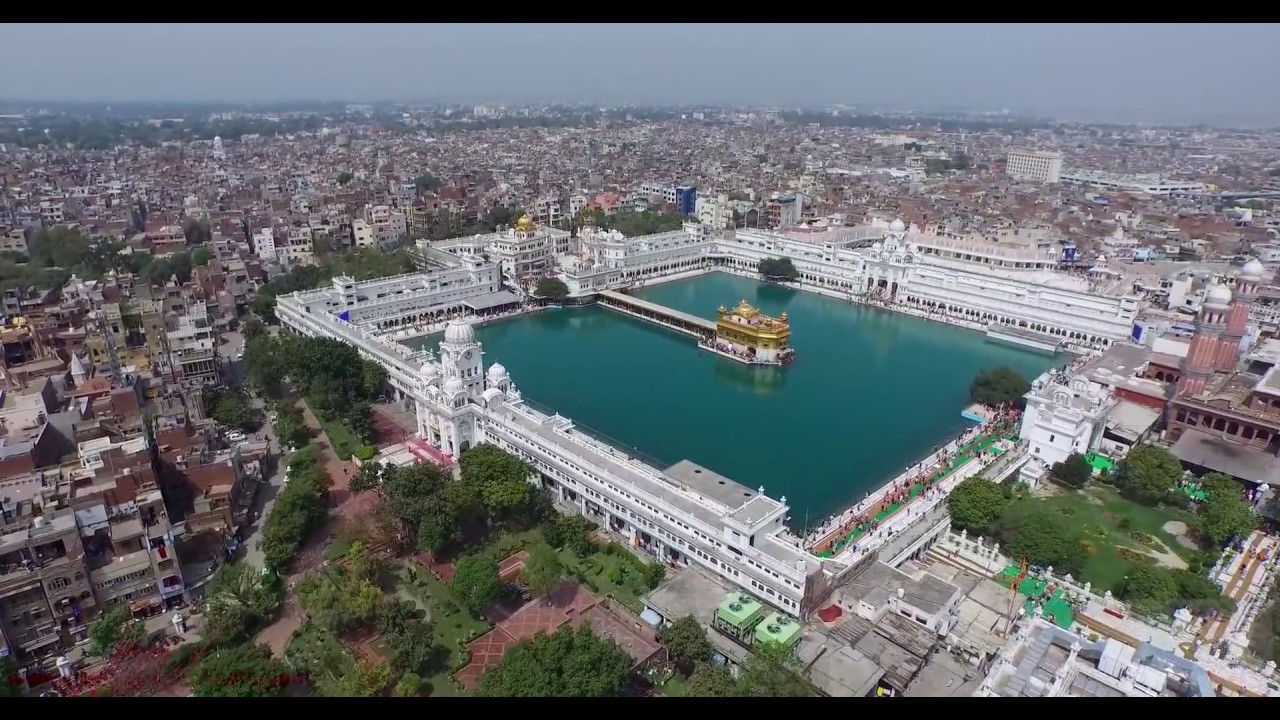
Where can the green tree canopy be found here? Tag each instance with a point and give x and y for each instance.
(501, 482)
(566, 663)
(687, 642)
(1224, 515)
(710, 681)
(976, 504)
(232, 408)
(572, 532)
(113, 631)
(999, 386)
(239, 598)
(409, 638)
(1074, 472)
(201, 256)
(543, 571)
(239, 671)
(475, 582)
(1042, 536)
(409, 685)
(552, 289)
(1148, 474)
(778, 269)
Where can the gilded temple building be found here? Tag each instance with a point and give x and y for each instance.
(750, 336)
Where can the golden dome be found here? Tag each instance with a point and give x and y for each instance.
(745, 310)
(525, 224)
(722, 310)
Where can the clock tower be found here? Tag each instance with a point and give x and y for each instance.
(461, 358)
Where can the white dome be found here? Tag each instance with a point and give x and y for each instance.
(459, 332)
(1218, 295)
(429, 370)
(452, 386)
(1252, 269)
(497, 372)
(897, 226)
(878, 247)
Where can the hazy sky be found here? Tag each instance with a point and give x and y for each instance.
(1171, 73)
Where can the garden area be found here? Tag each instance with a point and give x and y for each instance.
(1135, 531)
(1114, 532)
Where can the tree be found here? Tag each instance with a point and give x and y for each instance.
(368, 477)
(999, 386)
(543, 571)
(501, 482)
(201, 256)
(572, 532)
(233, 409)
(773, 671)
(409, 640)
(1148, 474)
(1043, 537)
(369, 679)
(976, 504)
(113, 631)
(240, 671)
(567, 663)
(778, 269)
(710, 681)
(552, 289)
(345, 177)
(475, 582)
(409, 685)
(240, 597)
(1074, 472)
(1224, 515)
(687, 642)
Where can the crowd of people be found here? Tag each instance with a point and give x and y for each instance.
(918, 481)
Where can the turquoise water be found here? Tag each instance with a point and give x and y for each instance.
(870, 391)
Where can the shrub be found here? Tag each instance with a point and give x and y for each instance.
(366, 452)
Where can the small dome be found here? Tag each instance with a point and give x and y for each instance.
(429, 370)
(878, 247)
(1252, 269)
(1218, 295)
(452, 386)
(897, 226)
(497, 372)
(459, 332)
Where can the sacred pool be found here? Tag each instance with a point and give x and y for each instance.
(870, 392)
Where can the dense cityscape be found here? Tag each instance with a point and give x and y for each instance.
(261, 432)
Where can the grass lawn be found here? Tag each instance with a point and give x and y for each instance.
(1114, 527)
(608, 574)
(345, 443)
(675, 687)
(455, 627)
(315, 650)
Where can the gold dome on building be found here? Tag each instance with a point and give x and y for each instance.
(525, 224)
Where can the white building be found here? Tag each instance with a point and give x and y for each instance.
(526, 252)
(1041, 167)
(608, 259)
(1149, 184)
(400, 300)
(264, 243)
(684, 515)
(1065, 414)
(715, 212)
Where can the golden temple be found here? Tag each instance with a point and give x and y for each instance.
(747, 332)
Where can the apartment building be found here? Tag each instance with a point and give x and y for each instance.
(1035, 166)
(192, 341)
(264, 243)
(46, 595)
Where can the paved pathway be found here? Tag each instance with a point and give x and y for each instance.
(277, 635)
